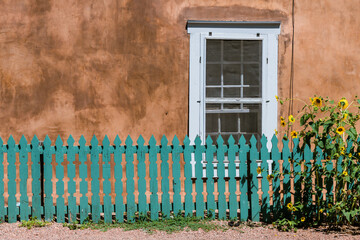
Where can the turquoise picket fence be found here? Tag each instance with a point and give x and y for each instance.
(126, 180)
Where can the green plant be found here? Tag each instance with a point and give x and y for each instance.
(33, 222)
(330, 128)
(170, 225)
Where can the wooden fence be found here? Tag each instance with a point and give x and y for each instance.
(215, 180)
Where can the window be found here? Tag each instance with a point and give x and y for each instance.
(233, 79)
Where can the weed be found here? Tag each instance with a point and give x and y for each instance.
(33, 222)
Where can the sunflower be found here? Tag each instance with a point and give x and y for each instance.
(282, 118)
(343, 103)
(268, 177)
(317, 102)
(283, 123)
(330, 205)
(277, 98)
(294, 209)
(340, 130)
(291, 118)
(321, 210)
(289, 206)
(345, 173)
(344, 116)
(276, 132)
(303, 219)
(342, 148)
(258, 170)
(294, 134)
(350, 155)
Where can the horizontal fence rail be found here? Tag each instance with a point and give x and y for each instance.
(126, 181)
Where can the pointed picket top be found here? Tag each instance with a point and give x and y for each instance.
(197, 141)
(186, 140)
(117, 140)
(296, 143)
(253, 141)
(220, 140)
(242, 141)
(82, 140)
(23, 141)
(164, 141)
(34, 141)
(152, 141)
(70, 141)
(140, 141)
(106, 141)
(129, 141)
(231, 140)
(47, 141)
(94, 141)
(274, 142)
(307, 149)
(285, 141)
(263, 142)
(209, 141)
(59, 142)
(11, 141)
(175, 141)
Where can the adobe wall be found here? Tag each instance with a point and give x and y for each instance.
(121, 67)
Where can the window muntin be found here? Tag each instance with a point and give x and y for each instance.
(232, 85)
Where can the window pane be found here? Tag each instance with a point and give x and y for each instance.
(232, 50)
(252, 51)
(213, 50)
(252, 74)
(229, 122)
(232, 106)
(232, 92)
(213, 74)
(252, 92)
(212, 123)
(213, 106)
(232, 74)
(213, 92)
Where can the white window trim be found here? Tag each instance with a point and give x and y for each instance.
(200, 31)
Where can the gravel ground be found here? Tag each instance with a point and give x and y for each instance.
(57, 231)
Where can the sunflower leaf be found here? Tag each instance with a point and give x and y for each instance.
(352, 133)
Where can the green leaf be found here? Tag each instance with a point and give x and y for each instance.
(352, 133)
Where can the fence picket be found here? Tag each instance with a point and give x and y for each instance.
(244, 200)
(265, 156)
(199, 182)
(286, 172)
(11, 176)
(233, 203)
(165, 197)
(275, 156)
(221, 150)
(188, 150)
(308, 156)
(297, 161)
(130, 186)
(254, 168)
(71, 151)
(24, 202)
(48, 188)
(210, 199)
(95, 186)
(119, 205)
(106, 182)
(2, 202)
(176, 175)
(60, 204)
(83, 151)
(35, 175)
(142, 174)
(154, 201)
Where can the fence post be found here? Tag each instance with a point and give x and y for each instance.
(275, 156)
(119, 205)
(24, 202)
(154, 201)
(142, 174)
(233, 203)
(265, 203)
(244, 197)
(48, 189)
(189, 205)
(210, 150)
(165, 198)
(95, 187)
(176, 175)
(71, 151)
(221, 177)
(199, 182)
(106, 182)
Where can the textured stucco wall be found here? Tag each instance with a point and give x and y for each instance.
(121, 67)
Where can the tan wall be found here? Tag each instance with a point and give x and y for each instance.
(121, 67)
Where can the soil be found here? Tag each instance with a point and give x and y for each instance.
(57, 231)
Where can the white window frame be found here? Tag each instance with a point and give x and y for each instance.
(199, 32)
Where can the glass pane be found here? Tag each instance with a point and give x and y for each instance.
(213, 50)
(232, 50)
(252, 51)
(213, 106)
(229, 122)
(232, 92)
(212, 123)
(213, 92)
(231, 106)
(232, 74)
(252, 74)
(213, 74)
(251, 92)
(250, 122)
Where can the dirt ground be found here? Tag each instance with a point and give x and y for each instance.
(57, 231)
